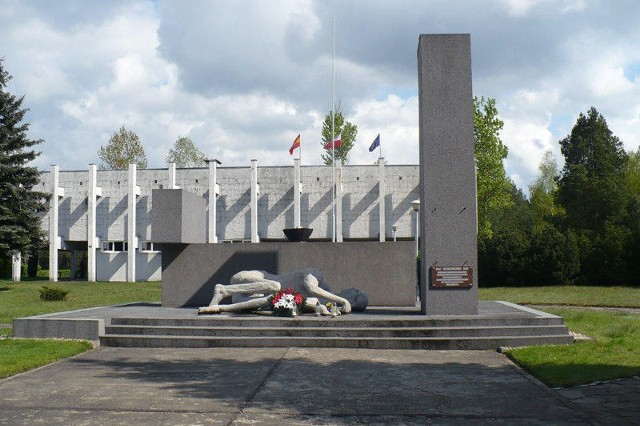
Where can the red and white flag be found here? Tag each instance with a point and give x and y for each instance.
(334, 143)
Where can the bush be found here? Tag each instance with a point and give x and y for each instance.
(53, 294)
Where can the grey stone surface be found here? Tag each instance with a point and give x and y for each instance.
(65, 328)
(285, 386)
(448, 216)
(178, 216)
(385, 271)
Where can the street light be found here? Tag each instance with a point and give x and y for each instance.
(415, 204)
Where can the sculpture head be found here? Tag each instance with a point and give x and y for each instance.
(356, 297)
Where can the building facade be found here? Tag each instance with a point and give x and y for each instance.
(105, 215)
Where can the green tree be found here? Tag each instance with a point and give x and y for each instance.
(185, 154)
(632, 173)
(493, 185)
(593, 192)
(124, 148)
(543, 191)
(591, 187)
(347, 130)
(20, 204)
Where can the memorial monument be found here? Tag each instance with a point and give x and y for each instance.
(448, 211)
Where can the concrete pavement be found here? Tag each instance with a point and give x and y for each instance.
(288, 386)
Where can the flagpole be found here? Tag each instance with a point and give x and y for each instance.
(333, 147)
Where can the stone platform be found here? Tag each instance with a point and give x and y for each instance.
(498, 324)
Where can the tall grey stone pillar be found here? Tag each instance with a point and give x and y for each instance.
(339, 195)
(214, 191)
(448, 245)
(172, 176)
(297, 190)
(255, 190)
(382, 191)
(54, 239)
(93, 193)
(16, 267)
(132, 237)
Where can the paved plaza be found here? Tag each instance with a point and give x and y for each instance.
(289, 386)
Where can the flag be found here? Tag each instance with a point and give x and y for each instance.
(334, 143)
(296, 144)
(375, 144)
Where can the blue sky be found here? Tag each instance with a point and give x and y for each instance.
(243, 78)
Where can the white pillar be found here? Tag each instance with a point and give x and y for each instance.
(381, 194)
(132, 239)
(16, 267)
(54, 238)
(214, 192)
(297, 189)
(339, 193)
(255, 190)
(172, 176)
(93, 192)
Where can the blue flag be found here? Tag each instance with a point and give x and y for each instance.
(375, 144)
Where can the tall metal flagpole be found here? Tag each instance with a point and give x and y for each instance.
(333, 148)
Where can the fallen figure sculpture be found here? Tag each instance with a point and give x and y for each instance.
(251, 290)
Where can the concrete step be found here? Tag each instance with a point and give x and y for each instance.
(342, 321)
(335, 331)
(433, 343)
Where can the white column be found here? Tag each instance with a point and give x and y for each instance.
(54, 238)
(93, 192)
(382, 190)
(339, 193)
(214, 192)
(172, 176)
(255, 190)
(297, 190)
(16, 267)
(132, 239)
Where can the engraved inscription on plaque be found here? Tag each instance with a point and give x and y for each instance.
(451, 276)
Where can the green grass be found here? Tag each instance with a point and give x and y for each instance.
(566, 295)
(18, 355)
(613, 352)
(23, 298)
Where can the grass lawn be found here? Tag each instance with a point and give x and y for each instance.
(566, 295)
(18, 355)
(23, 299)
(613, 352)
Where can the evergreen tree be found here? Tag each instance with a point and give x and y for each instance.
(593, 192)
(185, 154)
(341, 127)
(20, 204)
(124, 148)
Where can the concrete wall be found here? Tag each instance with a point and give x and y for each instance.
(360, 208)
(386, 271)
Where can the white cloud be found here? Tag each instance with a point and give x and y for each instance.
(242, 79)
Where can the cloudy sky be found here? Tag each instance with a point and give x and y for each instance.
(243, 78)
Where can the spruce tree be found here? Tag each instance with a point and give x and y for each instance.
(20, 204)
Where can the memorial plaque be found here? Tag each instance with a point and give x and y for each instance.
(451, 276)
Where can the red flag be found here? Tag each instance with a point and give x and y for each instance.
(296, 144)
(334, 143)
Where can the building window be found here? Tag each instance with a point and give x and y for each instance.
(147, 247)
(114, 246)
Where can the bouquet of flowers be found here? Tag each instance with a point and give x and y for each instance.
(286, 303)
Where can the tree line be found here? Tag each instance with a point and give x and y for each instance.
(579, 225)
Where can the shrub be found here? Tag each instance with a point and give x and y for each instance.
(53, 294)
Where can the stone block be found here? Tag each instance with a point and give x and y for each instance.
(178, 216)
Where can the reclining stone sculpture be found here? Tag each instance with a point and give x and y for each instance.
(251, 290)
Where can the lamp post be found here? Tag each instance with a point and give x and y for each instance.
(415, 204)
